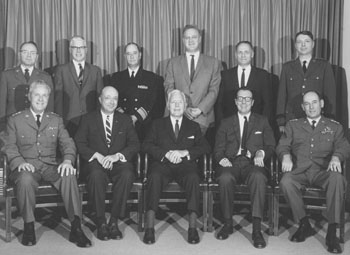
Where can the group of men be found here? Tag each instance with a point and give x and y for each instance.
(108, 125)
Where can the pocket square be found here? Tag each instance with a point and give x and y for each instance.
(258, 132)
(190, 137)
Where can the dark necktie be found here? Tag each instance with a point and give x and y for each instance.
(313, 124)
(177, 128)
(244, 137)
(243, 78)
(26, 74)
(192, 68)
(108, 131)
(304, 66)
(38, 120)
(133, 74)
(81, 72)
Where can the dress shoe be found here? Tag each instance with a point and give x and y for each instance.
(103, 232)
(193, 236)
(304, 231)
(224, 232)
(28, 237)
(78, 237)
(149, 238)
(114, 232)
(258, 240)
(333, 244)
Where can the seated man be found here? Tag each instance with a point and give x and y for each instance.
(243, 142)
(317, 146)
(174, 144)
(31, 142)
(107, 141)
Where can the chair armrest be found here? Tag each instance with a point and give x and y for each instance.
(138, 165)
(6, 170)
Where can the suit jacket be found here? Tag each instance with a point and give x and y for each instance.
(259, 83)
(91, 136)
(25, 142)
(14, 90)
(71, 99)
(259, 137)
(202, 91)
(294, 83)
(313, 148)
(161, 139)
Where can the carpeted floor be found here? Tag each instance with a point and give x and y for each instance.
(52, 230)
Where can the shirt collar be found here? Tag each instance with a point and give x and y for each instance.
(306, 58)
(310, 120)
(241, 116)
(173, 120)
(34, 114)
(196, 54)
(76, 64)
(246, 68)
(135, 71)
(30, 69)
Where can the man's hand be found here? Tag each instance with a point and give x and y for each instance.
(134, 119)
(66, 168)
(176, 156)
(107, 162)
(98, 156)
(225, 162)
(334, 165)
(195, 112)
(282, 129)
(259, 158)
(287, 163)
(26, 167)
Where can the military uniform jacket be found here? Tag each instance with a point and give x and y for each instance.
(294, 83)
(138, 96)
(259, 137)
(25, 142)
(202, 92)
(14, 90)
(313, 148)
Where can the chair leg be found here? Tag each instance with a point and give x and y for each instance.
(140, 211)
(275, 213)
(210, 211)
(205, 210)
(342, 223)
(8, 218)
(270, 214)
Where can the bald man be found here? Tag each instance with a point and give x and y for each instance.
(107, 142)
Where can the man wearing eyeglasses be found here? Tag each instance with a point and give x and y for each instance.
(243, 143)
(14, 83)
(77, 86)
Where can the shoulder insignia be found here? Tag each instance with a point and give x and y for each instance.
(53, 113)
(16, 113)
(293, 120)
(334, 121)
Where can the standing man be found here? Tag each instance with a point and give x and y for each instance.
(77, 86)
(301, 75)
(107, 141)
(196, 75)
(311, 151)
(244, 75)
(33, 136)
(174, 143)
(141, 92)
(14, 83)
(243, 142)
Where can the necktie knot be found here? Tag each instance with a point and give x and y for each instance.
(38, 120)
(304, 66)
(243, 78)
(313, 125)
(26, 74)
(192, 68)
(133, 74)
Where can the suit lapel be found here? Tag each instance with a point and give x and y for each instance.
(101, 126)
(251, 124)
(199, 66)
(45, 120)
(312, 67)
(307, 126)
(185, 69)
(297, 66)
(235, 78)
(20, 75)
(250, 81)
(30, 119)
(86, 73)
(169, 128)
(73, 73)
(236, 128)
(115, 128)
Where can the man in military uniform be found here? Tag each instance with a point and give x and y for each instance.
(141, 92)
(31, 142)
(303, 74)
(14, 83)
(311, 151)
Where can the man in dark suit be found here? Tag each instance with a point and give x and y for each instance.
(174, 143)
(33, 136)
(197, 76)
(14, 83)
(311, 151)
(107, 141)
(243, 142)
(244, 75)
(301, 75)
(141, 92)
(77, 86)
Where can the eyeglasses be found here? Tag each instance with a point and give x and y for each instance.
(246, 99)
(191, 37)
(78, 48)
(32, 53)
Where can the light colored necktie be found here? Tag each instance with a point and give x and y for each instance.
(80, 77)
(108, 131)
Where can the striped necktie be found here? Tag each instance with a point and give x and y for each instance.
(80, 77)
(108, 131)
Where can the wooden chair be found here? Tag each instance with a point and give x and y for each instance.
(169, 193)
(241, 196)
(45, 191)
(314, 199)
(136, 189)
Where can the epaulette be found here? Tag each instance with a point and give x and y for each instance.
(334, 121)
(293, 120)
(53, 113)
(16, 113)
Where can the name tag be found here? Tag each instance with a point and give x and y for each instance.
(142, 87)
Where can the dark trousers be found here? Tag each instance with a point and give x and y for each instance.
(334, 183)
(122, 176)
(28, 182)
(185, 174)
(244, 171)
